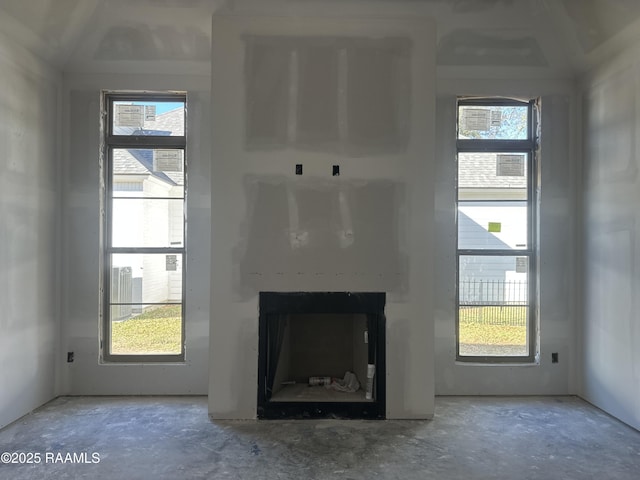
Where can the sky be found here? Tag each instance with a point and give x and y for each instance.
(161, 107)
(166, 106)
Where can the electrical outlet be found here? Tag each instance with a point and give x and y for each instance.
(69, 357)
(554, 357)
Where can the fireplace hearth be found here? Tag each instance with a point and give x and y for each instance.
(321, 354)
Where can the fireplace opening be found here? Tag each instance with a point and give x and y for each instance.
(321, 354)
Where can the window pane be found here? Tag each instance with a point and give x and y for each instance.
(492, 176)
(493, 122)
(146, 278)
(492, 225)
(146, 329)
(493, 305)
(151, 118)
(148, 172)
(492, 194)
(147, 222)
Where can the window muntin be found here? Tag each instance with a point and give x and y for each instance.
(144, 230)
(496, 222)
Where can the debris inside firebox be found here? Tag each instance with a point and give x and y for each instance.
(349, 383)
(319, 381)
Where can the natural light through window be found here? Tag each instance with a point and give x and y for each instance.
(145, 196)
(496, 218)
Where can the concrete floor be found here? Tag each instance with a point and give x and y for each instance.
(470, 438)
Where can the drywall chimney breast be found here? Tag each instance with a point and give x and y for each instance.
(300, 95)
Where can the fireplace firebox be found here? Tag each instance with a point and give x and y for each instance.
(321, 354)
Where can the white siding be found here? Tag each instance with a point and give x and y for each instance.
(474, 219)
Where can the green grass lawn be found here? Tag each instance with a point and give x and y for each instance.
(157, 331)
(493, 325)
(479, 334)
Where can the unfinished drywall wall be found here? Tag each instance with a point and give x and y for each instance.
(81, 241)
(557, 245)
(321, 227)
(611, 282)
(143, 43)
(312, 93)
(366, 228)
(29, 179)
(495, 48)
(596, 21)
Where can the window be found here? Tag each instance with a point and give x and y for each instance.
(144, 227)
(497, 240)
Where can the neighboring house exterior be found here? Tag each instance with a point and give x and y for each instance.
(492, 214)
(147, 216)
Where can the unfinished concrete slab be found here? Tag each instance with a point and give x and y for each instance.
(470, 437)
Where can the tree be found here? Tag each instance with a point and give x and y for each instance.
(493, 122)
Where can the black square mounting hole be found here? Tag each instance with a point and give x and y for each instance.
(336, 170)
(299, 169)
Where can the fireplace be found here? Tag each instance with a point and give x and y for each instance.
(293, 223)
(321, 354)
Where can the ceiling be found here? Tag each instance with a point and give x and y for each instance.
(560, 37)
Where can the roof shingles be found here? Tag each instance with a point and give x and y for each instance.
(479, 170)
(140, 161)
